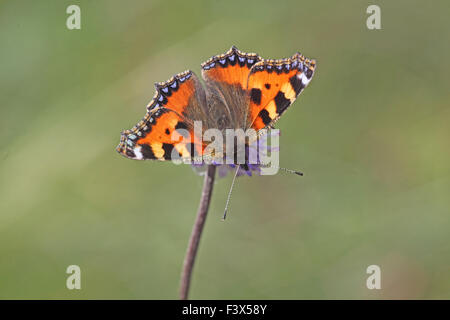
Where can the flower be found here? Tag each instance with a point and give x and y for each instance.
(259, 148)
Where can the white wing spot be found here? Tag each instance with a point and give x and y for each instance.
(138, 153)
(303, 78)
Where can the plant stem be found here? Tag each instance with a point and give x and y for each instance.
(191, 252)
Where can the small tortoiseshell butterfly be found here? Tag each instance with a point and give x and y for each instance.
(241, 90)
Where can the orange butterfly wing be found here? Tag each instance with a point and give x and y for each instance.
(167, 130)
(273, 85)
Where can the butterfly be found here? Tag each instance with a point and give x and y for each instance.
(241, 91)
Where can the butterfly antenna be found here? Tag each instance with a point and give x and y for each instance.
(299, 173)
(229, 193)
(292, 171)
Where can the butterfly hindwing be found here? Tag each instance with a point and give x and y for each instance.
(273, 85)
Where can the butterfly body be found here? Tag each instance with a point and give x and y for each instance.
(242, 91)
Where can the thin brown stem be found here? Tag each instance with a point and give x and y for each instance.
(196, 234)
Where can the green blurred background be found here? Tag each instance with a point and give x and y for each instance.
(371, 133)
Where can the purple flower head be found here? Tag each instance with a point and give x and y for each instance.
(255, 151)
